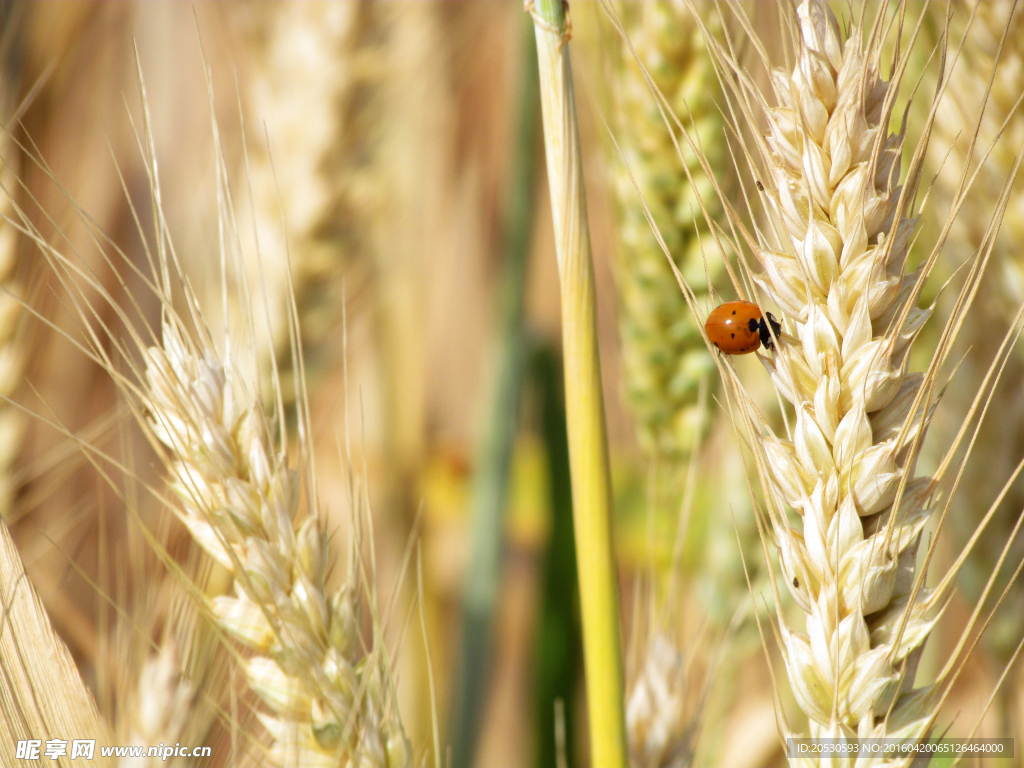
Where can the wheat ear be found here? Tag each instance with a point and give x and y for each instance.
(835, 186)
(834, 259)
(664, 360)
(312, 184)
(330, 694)
(980, 114)
(240, 500)
(842, 225)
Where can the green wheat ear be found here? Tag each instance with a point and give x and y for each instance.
(664, 356)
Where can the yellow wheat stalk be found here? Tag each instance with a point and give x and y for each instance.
(588, 442)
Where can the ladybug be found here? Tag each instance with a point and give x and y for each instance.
(738, 327)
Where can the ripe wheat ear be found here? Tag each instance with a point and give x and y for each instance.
(832, 257)
(327, 691)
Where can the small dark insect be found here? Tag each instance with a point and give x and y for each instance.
(738, 328)
(796, 583)
(760, 186)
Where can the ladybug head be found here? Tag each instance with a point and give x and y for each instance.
(764, 333)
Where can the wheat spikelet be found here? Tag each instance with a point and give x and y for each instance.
(659, 726)
(664, 358)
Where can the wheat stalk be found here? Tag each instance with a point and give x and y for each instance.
(588, 446)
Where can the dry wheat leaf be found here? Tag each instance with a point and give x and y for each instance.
(42, 695)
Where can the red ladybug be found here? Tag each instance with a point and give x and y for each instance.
(738, 327)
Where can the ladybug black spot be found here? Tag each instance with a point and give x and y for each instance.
(733, 335)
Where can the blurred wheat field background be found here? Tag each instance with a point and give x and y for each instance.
(319, 316)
